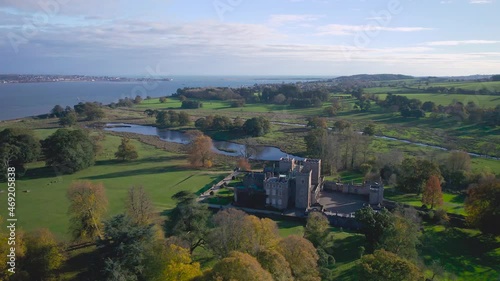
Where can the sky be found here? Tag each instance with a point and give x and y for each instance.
(250, 37)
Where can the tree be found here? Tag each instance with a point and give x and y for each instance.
(414, 173)
(433, 195)
(316, 122)
(69, 151)
(92, 110)
(200, 152)
(139, 206)
(386, 266)
(17, 147)
(374, 225)
(342, 125)
(483, 206)
(189, 220)
(279, 99)
(302, 257)
(238, 267)
(137, 99)
(191, 104)
(256, 126)
(126, 150)
(402, 236)
(243, 164)
(127, 249)
(458, 161)
(163, 99)
(276, 264)
(68, 120)
(171, 118)
(369, 130)
(429, 106)
(184, 118)
(236, 231)
(238, 123)
(179, 266)
(87, 208)
(42, 257)
(57, 111)
(317, 230)
(315, 141)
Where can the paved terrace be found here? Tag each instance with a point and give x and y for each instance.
(338, 202)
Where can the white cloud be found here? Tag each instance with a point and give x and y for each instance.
(460, 42)
(287, 19)
(480, 1)
(340, 29)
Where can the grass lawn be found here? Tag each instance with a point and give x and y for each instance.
(346, 254)
(161, 173)
(223, 197)
(287, 228)
(464, 252)
(452, 203)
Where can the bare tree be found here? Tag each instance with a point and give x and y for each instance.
(139, 206)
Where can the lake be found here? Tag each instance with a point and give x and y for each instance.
(268, 153)
(29, 99)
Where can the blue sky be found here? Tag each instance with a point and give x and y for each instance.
(250, 37)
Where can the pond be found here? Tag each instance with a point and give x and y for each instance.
(258, 152)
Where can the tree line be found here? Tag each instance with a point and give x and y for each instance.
(256, 126)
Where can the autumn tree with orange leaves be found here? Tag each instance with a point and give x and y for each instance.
(243, 164)
(200, 151)
(433, 194)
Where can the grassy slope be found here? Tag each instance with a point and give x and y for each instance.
(464, 252)
(161, 173)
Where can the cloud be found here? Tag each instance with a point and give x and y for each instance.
(480, 1)
(279, 20)
(340, 29)
(460, 42)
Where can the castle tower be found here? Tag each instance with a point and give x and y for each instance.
(376, 195)
(303, 190)
(286, 165)
(313, 165)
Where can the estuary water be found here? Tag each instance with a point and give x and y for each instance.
(19, 100)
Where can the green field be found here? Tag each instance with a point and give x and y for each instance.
(161, 173)
(486, 101)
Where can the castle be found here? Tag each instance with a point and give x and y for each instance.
(296, 184)
(293, 184)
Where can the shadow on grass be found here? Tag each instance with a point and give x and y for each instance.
(460, 252)
(139, 172)
(459, 199)
(346, 250)
(39, 173)
(141, 160)
(284, 224)
(76, 263)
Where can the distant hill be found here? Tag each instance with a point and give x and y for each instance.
(374, 77)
